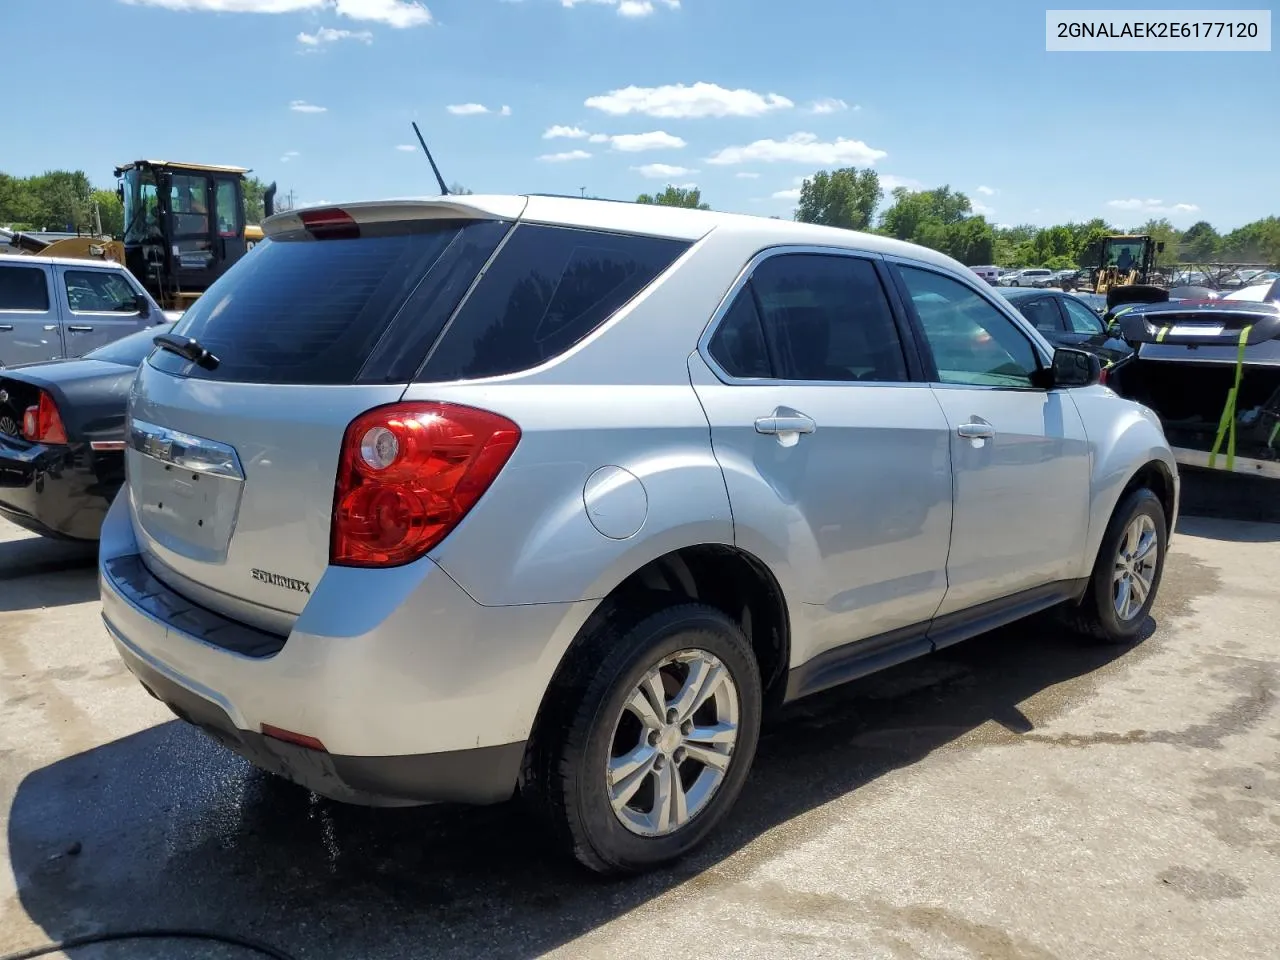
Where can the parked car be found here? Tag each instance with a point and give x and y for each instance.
(1065, 319)
(1030, 277)
(522, 497)
(55, 307)
(62, 436)
(990, 274)
(1190, 355)
(1267, 290)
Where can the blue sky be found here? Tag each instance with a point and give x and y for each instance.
(741, 97)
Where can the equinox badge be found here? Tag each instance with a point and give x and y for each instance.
(276, 580)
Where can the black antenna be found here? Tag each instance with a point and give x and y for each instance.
(444, 191)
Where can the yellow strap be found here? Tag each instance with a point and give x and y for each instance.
(1161, 335)
(1227, 424)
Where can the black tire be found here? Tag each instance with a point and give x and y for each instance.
(1095, 618)
(564, 780)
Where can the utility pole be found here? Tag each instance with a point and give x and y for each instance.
(583, 191)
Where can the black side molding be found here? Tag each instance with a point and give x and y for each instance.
(862, 657)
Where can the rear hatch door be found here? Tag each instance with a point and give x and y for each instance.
(232, 465)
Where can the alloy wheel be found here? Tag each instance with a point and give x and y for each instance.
(673, 743)
(1135, 567)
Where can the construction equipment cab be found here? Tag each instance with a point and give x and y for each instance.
(1126, 261)
(184, 225)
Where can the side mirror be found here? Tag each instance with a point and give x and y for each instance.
(143, 305)
(1075, 368)
(1160, 246)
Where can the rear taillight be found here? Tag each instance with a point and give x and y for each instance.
(407, 475)
(42, 422)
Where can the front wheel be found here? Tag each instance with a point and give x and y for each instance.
(636, 766)
(1126, 575)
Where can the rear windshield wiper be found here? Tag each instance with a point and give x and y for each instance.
(188, 348)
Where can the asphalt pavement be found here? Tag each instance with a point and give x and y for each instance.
(1017, 797)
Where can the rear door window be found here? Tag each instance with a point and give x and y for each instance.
(828, 318)
(547, 289)
(1081, 319)
(95, 291)
(300, 310)
(738, 343)
(1042, 312)
(24, 288)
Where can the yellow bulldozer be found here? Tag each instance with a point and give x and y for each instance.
(184, 226)
(1125, 261)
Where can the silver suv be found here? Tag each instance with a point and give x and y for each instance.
(449, 499)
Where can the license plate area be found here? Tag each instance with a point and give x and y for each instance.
(185, 491)
(1196, 330)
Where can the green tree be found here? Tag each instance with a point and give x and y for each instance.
(1200, 243)
(1162, 231)
(690, 197)
(110, 212)
(254, 208)
(843, 198)
(459, 190)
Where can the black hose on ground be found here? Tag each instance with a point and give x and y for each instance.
(209, 936)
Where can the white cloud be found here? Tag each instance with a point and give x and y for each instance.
(891, 182)
(658, 171)
(626, 8)
(505, 111)
(988, 191)
(289, 155)
(326, 35)
(394, 13)
(829, 105)
(301, 106)
(787, 194)
(636, 142)
(981, 208)
(566, 156)
(687, 102)
(599, 138)
(747, 175)
(407, 147)
(467, 109)
(1152, 206)
(801, 148)
(567, 133)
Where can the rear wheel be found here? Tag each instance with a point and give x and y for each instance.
(1126, 575)
(647, 739)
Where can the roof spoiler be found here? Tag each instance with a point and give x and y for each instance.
(1200, 328)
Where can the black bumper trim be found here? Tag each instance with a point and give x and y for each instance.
(484, 775)
(131, 578)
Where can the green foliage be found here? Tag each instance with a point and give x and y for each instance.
(110, 212)
(843, 198)
(254, 209)
(690, 197)
(459, 190)
(57, 200)
(1200, 243)
(1257, 242)
(941, 219)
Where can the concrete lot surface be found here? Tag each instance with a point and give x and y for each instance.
(1018, 797)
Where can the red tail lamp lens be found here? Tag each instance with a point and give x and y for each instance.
(41, 423)
(330, 224)
(408, 474)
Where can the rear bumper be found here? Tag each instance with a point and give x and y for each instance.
(53, 491)
(416, 692)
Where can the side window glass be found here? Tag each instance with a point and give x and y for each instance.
(24, 288)
(546, 290)
(972, 342)
(226, 209)
(189, 200)
(1042, 312)
(1081, 319)
(738, 343)
(826, 317)
(91, 291)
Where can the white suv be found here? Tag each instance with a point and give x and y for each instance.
(449, 499)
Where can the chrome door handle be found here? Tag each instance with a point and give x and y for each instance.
(792, 424)
(976, 431)
(6, 327)
(80, 328)
(51, 327)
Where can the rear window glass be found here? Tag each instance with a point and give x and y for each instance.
(298, 310)
(130, 351)
(24, 288)
(548, 288)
